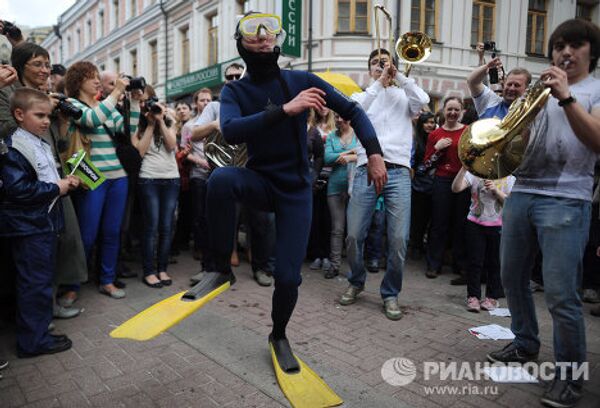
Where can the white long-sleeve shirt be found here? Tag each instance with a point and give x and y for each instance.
(391, 110)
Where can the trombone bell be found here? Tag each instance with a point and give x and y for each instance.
(413, 47)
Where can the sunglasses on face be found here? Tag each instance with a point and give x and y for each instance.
(233, 77)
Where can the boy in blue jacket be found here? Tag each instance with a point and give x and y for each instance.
(30, 187)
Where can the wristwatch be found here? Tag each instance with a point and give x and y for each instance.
(564, 102)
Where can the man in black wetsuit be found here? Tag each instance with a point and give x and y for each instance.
(267, 110)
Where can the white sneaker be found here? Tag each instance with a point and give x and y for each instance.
(326, 265)
(316, 264)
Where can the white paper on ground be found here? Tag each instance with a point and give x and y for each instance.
(509, 374)
(493, 332)
(500, 311)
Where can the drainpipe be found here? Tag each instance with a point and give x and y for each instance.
(164, 13)
(310, 36)
(59, 36)
(397, 33)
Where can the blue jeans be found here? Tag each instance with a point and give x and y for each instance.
(374, 242)
(102, 210)
(159, 200)
(396, 194)
(34, 258)
(559, 228)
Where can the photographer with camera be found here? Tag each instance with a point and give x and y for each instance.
(158, 186)
(101, 211)
(487, 103)
(32, 66)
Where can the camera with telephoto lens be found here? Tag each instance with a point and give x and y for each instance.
(66, 107)
(135, 83)
(10, 30)
(152, 105)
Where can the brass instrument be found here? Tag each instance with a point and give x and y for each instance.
(219, 153)
(494, 148)
(412, 47)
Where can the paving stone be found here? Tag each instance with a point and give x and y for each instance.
(73, 399)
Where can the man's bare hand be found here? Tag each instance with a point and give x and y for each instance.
(307, 99)
(376, 172)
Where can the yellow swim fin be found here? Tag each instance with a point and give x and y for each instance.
(168, 312)
(304, 388)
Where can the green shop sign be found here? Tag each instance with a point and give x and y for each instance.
(291, 11)
(193, 81)
(203, 78)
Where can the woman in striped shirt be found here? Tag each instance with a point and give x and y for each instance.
(101, 210)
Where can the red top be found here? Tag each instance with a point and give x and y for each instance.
(449, 164)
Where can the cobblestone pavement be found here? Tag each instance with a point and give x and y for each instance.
(219, 357)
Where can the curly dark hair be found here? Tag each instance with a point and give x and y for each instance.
(76, 74)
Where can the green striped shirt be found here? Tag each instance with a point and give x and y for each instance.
(91, 124)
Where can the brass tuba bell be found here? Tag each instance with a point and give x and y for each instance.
(494, 148)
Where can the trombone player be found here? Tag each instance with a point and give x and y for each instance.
(549, 209)
(391, 101)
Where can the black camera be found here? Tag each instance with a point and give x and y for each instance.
(11, 31)
(136, 83)
(489, 46)
(67, 107)
(152, 105)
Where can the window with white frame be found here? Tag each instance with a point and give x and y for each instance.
(153, 48)
(117, 65)
(115, 13)
(132, 8)
(586, 9)
(424, 17)
(184, 49)
(133, 63)
(100, 24)
(536, 27)
(353, 16)
(88, 33)
(213, 40)
(483, 22)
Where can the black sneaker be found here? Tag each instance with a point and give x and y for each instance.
(561, 394)
(3, 364)
(331, 273)
(510, 354)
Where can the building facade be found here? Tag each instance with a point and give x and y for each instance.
(182, 45)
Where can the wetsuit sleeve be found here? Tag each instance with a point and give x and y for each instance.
(349, 110)
(19, 186)
(238, 129)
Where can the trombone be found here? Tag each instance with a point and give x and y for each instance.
(411, 48)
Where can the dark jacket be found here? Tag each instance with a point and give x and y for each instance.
(24, 200)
